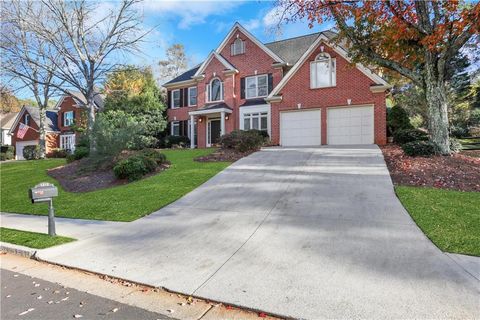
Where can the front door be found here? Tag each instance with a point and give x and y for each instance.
(213, 132)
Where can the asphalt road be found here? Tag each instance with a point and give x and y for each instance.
(24, 297)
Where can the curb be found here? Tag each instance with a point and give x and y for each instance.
(18, 250)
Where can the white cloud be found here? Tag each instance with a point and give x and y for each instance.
(190, 12)
(272, 17)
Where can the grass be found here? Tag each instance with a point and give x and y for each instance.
(122, 203)
(470, 143)
(31, 239)
(451, 219)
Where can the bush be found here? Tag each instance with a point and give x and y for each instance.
(455, 145)
(31, 152)
(156, 155)
(397, 119)
(458, 131)
(243, 141)
(175, 141)
(58, 153)
(134, 167)
(83, 141)
(419, 148)
(79, 153)
(7, 153)
(409, 135)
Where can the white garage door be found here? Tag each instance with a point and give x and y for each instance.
(300, 128)
(353, 125)
(19, 148)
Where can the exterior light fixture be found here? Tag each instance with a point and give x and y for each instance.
(226, 117)
(200, 119)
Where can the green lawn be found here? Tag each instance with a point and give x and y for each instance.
(31, 239)
(451, 219)
(122, 203)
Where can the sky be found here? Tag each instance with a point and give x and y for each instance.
(201, 26)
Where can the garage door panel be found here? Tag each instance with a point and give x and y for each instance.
(300, 128)
(351, 125)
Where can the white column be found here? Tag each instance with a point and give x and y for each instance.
(192, 132)
(222, 123)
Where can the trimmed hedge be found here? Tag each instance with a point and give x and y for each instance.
(136, 166)
(7, 153)
(409, 135)
(58, 153)
(31, 152)
(243, 141)
(419, 148)
(175, 141)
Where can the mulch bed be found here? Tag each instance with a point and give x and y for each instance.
(223, 155)
(78, 176)
(456, 172)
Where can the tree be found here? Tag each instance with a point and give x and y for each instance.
(175, 63)
(89, 40)
(26, 59)
(8, 101)
(417, 39)
(133, 91)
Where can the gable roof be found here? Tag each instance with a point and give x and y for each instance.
(238, 26)
(219, 57)
(34, 112)
(81, 101)
(342, 52)
(187, 75)
(290, 50)
(7, 120)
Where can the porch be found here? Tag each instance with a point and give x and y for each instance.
(210, 125)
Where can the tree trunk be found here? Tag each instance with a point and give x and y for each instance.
(91, 123)
(436, 95)
(41, 131)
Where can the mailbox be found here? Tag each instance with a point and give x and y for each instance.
(43, 192)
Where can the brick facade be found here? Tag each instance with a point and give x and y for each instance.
(351, 84)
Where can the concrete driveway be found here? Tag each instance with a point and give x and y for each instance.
(307, 233)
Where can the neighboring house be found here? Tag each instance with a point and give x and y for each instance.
(70, 110)
(7, 120)
(303, 91)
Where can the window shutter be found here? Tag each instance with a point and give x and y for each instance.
(313, 75)
(243, 46)
(270, 83)
(169, 99)
(61, 119)
(181, 98)
(232, 49)
(242, 88)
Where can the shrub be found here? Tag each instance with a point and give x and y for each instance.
(243, 141)
(455, 145)
(79, 153)
(83, 141)
(175, 141)
(459, 131)
(7, 153)
(31, 152)
(419, 148)
(397, 119)
(134, 167)
(156, 155)
(409, 135)
(58, 153)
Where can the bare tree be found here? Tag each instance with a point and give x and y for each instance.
(26, 60)
(175, 63)
(89, 38)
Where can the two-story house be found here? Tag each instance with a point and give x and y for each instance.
(69, 112)
(303, 91)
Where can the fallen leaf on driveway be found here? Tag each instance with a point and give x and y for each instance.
(27, 311)
(77, 316)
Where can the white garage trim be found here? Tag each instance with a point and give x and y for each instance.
(301, 128)
(351, 125)
(19, 145)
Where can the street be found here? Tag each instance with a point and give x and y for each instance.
(25, 297)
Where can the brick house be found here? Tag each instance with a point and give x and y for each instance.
(303, 91)
(69, 110)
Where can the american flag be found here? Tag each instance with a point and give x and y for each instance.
(22, 130)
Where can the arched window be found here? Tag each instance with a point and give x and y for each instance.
(237, 47)
(215, 90)
(322, 71)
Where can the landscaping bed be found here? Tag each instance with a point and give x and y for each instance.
(79, 176)
(456, 172)
(31, 239)
(230, 155)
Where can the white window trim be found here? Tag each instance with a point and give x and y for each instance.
(26, 119)
(190, 88)
(172, 103)
(256, 109)
(208, 92)
(65, 119)
(333, 73)
(64, 138)
(176, 123)
(256, 86)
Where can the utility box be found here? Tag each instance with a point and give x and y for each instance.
(43, 192)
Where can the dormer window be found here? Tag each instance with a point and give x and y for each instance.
(68, 119)
(237, 47)
(26, 119)
(214, 90)
(322, 71)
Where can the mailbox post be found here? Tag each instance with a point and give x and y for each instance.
(45, 192)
